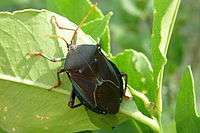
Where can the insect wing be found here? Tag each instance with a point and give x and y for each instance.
(115, 70)
(109, 71)
(108, 97)
(84, 90)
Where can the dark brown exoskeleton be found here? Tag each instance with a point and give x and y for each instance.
(96, 81)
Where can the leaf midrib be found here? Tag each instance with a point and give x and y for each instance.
(31, 83)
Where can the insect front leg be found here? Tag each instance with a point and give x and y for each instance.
(72, 100)
(60, 37)
(126, 81)
(52, 59)
(54, 20)
(74, 36)
(58, 77)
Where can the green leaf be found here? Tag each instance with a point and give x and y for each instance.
(139, 70)
(126, 127)
(140, 75)
(76, 10)
(2, 131)
(187, 119)
(164, 15)
(26, 104)
(105, 41)
(97, 27)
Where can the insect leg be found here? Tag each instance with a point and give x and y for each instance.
(58, 81)
(72, 100)
(94, 96)
(60, 37)
(52, 59)
(126, 80)
(74, 37)
(53, 19)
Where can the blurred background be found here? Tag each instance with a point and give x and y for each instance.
(131, 28)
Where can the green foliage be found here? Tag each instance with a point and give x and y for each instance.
(26, 104)
(75, 10)
(164, 18)
(13, 5)
(43, 110)
(130, 24)
(187, 119)
(126, 127)
(140, 73)
(95, 27)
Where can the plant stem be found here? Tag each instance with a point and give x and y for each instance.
(140, 96)
(152, 123)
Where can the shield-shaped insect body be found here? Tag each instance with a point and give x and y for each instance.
(96, 81)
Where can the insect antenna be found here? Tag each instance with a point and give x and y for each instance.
(74, 37)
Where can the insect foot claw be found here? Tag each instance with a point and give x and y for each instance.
(50, 89)
(55, 86)
(28, 55)
(53, 18)
(126, 97)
